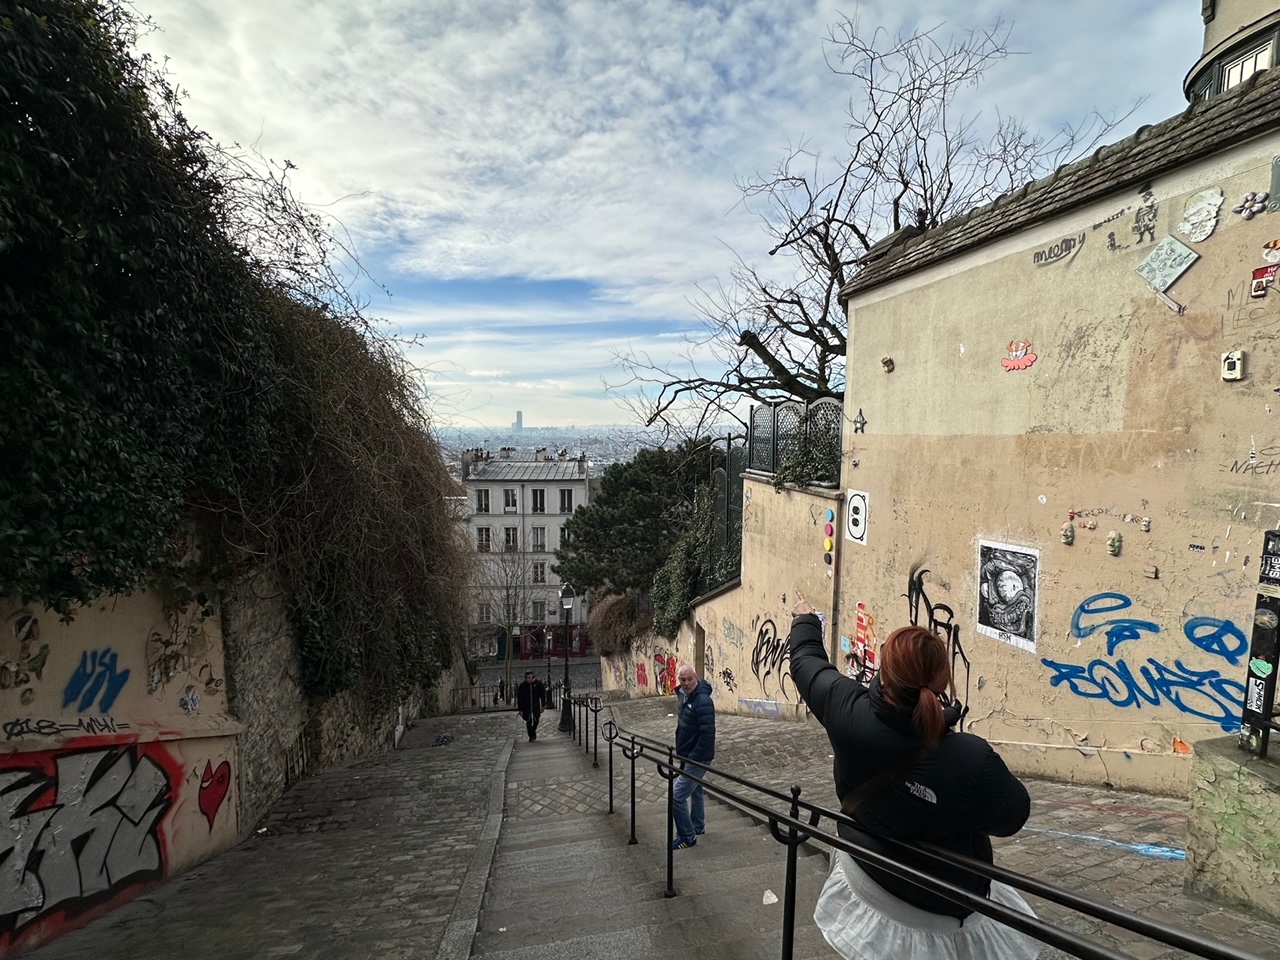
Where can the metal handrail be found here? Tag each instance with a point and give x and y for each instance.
(581, 705)
(791, 830)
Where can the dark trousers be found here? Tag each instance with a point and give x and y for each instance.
(531, 724)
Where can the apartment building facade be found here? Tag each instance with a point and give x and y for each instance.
(516, 513)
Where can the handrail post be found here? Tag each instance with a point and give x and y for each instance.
(789, 894)
(633, 839)
(671, 824)
(610, 739)
(595, 734)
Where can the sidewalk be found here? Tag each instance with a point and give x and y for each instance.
(1126, 848)
(390, 858)
(385, 859)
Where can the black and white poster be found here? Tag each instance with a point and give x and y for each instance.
(1007, 585)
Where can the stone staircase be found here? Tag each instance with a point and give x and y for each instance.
(565, 883)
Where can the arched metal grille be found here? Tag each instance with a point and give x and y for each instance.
(790, 429)
(762, 434)
(823, 421)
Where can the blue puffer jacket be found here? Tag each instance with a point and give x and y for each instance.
(696, 728)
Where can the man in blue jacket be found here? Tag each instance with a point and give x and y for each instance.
(696, 743)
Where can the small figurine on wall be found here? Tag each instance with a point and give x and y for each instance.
(1068, 533)
(1114, 542)
(887, 363)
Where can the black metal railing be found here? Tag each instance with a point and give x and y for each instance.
(588, 708)
(482, 697)
(781, 434)
(800, 824)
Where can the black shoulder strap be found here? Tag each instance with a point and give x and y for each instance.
(850, 804)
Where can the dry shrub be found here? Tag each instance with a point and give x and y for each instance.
(617, 621)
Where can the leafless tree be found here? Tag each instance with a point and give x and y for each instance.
(915, 160)
(505, 581)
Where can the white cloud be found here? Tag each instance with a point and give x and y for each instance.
(585, 140)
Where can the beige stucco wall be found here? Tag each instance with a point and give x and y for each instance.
(115, 732)
(1122, 417)
(742, 631)
(1231, 16)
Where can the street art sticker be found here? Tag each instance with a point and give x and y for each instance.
(1199, 693)
(1167, 262)
(1201, 215)
(857, 515)
(861, 654)
(79, 836)
(771, 660)
(1019, 356)
(1007, 582)
(98, 677)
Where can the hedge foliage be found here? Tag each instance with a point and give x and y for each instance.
(179, 352)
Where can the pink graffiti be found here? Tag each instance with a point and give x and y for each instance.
(642, 675)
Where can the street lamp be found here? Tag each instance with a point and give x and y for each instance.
(549, 700)
(567, 597)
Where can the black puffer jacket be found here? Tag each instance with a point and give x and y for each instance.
(956, 796)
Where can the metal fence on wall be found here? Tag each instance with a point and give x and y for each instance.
(785, 432)
(726, 524)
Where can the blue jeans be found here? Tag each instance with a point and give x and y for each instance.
(689, 807)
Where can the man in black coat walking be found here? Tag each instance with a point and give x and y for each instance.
(529, 696)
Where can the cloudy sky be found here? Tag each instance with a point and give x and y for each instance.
(541, 184)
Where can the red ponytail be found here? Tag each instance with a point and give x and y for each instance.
(912, 662)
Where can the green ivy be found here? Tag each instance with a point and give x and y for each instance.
(178, 353)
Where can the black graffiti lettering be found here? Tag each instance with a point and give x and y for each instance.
(771, 656)
(940, 620)
(33, 727)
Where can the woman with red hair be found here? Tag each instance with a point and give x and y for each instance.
(902, 773)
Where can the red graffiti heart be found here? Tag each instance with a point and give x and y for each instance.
(213, 789)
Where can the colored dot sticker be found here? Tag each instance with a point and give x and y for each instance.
(831, 515)
(827, 544)
(829, 530)
(827, 558)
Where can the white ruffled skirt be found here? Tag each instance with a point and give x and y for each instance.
(863, 921)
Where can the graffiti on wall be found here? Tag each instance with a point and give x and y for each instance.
(642, 674)
(664, 673)
(21, 727)
(183, 648)
(80, 833)
(760, 708)
(23, 658)
(619, 675)
(97, 678)
(770, 660)
(214, 784)
(1199, 693)
(726, 678)
(732, 634)
(940, 620)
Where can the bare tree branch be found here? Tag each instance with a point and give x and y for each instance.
(915, 160)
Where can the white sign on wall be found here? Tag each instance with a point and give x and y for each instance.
(857, 507)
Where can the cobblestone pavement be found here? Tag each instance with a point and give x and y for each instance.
(1106, 844)
(386, 858)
